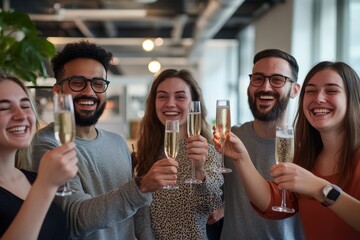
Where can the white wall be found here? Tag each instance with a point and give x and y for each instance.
(217, 74)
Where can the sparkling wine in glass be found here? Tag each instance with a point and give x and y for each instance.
(64, 129)
(171, 143)
(193, 128)
(223, 126)
(284, 152)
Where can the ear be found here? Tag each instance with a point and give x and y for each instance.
(56, 88)
(295, 89)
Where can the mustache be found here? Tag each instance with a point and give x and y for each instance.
(86, 98)
(265, 93)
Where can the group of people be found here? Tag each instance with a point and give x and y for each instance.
(112, 204)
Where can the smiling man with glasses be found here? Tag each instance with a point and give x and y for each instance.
(273, 83)
(107, 197)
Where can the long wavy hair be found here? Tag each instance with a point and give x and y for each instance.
(152, 130)
(23, 155)
(307, 138)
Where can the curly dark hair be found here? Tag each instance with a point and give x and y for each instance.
(81, 49)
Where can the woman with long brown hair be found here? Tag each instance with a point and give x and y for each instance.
(181, 213)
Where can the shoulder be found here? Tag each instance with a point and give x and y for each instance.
(110, 135)
(45, 138)
(241, 127)
(46, 132)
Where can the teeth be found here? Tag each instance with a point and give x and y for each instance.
(17, 129)
(321, 111)
(267, 97)
(171, 113)
(88, 103)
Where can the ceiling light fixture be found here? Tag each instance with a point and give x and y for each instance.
(159, 41)
(145, 1)
(90, 14)
(148, 45)
(154, 66)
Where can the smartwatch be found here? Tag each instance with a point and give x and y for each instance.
(331, 194)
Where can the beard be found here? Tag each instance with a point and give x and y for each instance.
(87, 118)
(275, 112)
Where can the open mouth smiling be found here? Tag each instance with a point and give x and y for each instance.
(171, 113)
(266, 97)
(320, 111)
(18, 129)
(86, 102)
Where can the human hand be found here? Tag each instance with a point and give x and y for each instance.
(58, 165)
(162, 173)
(233, 147)
(294, 178)
(216, 215)
(197, 150)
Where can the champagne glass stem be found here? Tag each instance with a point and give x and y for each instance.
(222, 154)
(192, 169)
(283, 199)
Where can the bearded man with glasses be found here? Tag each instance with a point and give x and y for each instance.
(272, 83)
(107, 198)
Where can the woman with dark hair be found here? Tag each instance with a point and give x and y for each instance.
(26, 207)
(323, 182)
(181, 213)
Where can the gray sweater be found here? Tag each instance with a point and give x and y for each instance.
(107, 197)
(241, 221)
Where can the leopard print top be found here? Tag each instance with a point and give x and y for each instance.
(183, 213)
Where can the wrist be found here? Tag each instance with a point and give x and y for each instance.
(138, 181)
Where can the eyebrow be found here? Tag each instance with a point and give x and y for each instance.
(273, 74)
(181, 91)
(8, 101)
(327, 85)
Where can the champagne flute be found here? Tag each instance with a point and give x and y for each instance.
(223, 128)
(64, 129)
(171, 143)
(193, 128)
(284, 152)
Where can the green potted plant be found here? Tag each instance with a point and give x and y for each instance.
(23, 53)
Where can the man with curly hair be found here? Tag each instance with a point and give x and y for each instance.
(107, 197)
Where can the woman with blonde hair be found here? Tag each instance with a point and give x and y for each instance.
(26, 207)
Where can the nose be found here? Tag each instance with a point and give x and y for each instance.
(320, 97)
(88, 89)
(19, 114)
(171, 102)
(266, 85)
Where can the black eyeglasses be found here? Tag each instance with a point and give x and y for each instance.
(78, 83)
(276, 80)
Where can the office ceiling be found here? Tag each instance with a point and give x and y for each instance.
(122, 25)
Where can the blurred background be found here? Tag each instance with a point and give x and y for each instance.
(215, 39)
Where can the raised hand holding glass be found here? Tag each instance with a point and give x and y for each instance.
(284, 152)
(171, 143)
(64, 128)
(193, 128)
(223, 125)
